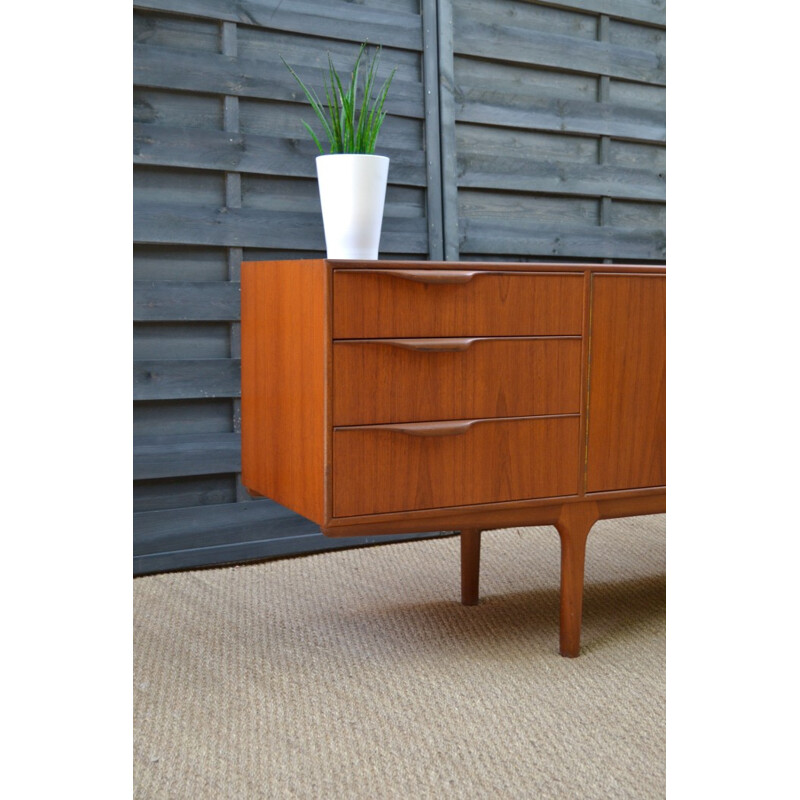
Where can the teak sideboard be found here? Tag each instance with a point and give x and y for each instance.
(405, 396)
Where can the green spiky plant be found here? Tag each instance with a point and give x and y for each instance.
(351, 125)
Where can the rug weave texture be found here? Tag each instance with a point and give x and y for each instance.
(358, 674)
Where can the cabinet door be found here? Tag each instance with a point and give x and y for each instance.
(627, 398)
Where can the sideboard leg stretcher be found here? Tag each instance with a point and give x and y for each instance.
(573, 526)
(470, 565)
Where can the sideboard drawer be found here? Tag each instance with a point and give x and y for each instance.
(418, 380)
(390, 468)
(376, 303)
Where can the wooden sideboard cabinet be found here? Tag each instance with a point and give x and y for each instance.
(400, 397)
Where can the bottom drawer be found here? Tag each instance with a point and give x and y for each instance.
(385, 468)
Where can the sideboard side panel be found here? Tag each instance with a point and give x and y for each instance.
(627, 396)
(284, 366)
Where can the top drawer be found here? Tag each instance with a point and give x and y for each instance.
(432, 302)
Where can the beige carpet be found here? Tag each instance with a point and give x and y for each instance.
(358, 674)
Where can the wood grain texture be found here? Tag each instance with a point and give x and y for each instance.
(516, 236)
(496, 93)
(184, 70)
(332, 20)
(528, 46)
(273, 12)
(627, 383)
(447, 129)
(650, 11)
(181, 538)
(414, 380)
(573, 525)
(470, 566)
(163, 145)
(220, 526)
(183, 223)
(511, 514)
(368, 304)
(380, 470)
(160, 494)
(523, 70)
(496, 107)
(433, 143)
(480, 171)
(285, 339)
(186, 454)
(176, 378)
(171, 301)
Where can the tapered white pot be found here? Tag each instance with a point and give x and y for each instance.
(352, 190)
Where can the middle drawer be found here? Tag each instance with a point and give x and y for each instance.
(418, 380)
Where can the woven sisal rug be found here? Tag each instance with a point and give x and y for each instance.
(358, 674)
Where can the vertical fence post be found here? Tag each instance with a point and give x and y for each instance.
(447, 116)
(603, 89)
(233, 199)
(433, 155)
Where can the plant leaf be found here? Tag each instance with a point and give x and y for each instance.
(313, 136)
(350, 124)
(316, 104)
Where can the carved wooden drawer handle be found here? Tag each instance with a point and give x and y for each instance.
(438, 276)
(448, 345)
(449, 428)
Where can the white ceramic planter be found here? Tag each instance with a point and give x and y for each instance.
(352, 190)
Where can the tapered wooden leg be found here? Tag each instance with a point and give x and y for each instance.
(573, 525)
(470, 565)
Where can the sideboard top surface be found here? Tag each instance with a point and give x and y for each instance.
(483, 266)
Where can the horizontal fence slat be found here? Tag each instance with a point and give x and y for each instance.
(521, 237)
(188, 454)
(272, 14)
(556, 51)
(333, 20)
(204, 526)
(261, 155)
(184, 70)
(233, 532)
(183, 491)
(568, 116)
(156, 223)
(188, 417)
(177, 301)
(177, 379)
(515, 174)
(653, 12)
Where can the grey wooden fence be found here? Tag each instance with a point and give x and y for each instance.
(518, 130)
(553, 129)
